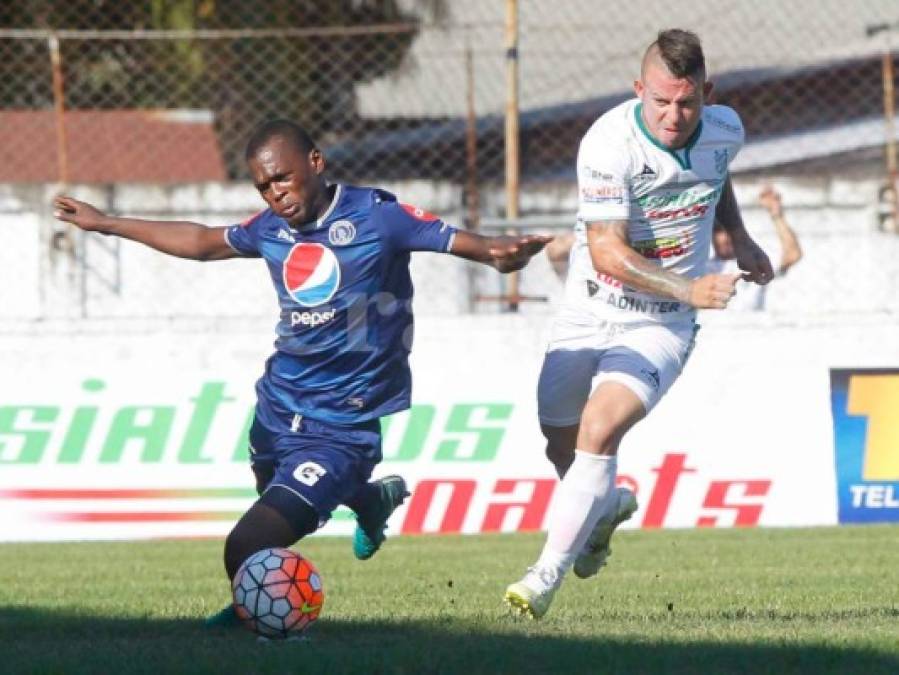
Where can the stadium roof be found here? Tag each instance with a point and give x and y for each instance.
(812, 145)
(106, 146)
(796, 129)
(571, 50)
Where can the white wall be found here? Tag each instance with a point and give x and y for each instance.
(752, 410)
(849, 267)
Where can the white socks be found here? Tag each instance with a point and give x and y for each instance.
(584, 494)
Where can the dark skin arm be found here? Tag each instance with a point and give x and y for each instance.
(506, 254)
(181, 239)
(195, 241)
(750, 257)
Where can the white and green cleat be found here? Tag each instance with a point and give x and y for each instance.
(532, 596)
(597, 550)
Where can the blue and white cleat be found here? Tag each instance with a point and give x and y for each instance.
(597, 550)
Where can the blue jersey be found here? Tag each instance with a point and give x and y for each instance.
(345, 294)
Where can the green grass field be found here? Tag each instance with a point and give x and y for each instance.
(711, 601)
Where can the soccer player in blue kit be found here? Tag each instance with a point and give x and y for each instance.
(338, 256)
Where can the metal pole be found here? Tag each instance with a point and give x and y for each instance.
(889, 111)
(512, 133)
(472, 197)
(63, 242)
(59, 107)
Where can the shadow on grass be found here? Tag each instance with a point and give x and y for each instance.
(41, 641)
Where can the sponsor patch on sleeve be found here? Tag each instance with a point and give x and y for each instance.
(602, 194)
(418, 213)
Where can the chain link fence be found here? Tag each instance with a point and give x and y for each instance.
(136, 102)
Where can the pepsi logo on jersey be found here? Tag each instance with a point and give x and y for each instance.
(311, 274)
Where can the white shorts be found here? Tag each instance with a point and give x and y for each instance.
(585, 351)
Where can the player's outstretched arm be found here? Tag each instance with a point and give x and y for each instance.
(750, 257)
(505, 253)
(178, 238)
(612, 254)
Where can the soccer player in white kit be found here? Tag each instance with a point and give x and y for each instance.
(652, 178)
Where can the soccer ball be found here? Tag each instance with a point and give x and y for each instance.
(277, 593)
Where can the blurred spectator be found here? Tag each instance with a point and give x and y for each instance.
(886, 201)
(751, 297)
(558, 252)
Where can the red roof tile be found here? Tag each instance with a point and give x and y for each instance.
(108, 146)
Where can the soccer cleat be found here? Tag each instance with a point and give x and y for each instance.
(596, 550)
(369, 534)
(533, 595)
(224, 618)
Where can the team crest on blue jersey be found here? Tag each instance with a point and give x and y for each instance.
(341, 233)
(311, 274)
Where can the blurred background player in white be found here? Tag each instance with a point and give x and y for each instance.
(558, 252)
(652, 178)
(751, 297)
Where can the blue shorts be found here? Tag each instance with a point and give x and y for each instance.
(321, 464)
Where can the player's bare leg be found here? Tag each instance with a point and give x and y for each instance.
(560, 445)
(260, 527)
(586, 495)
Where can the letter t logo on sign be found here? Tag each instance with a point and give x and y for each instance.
(875, 397)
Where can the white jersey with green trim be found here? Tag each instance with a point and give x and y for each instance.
(668, 197)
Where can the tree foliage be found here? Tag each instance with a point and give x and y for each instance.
(311, 79)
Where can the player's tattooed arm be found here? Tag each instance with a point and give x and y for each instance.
(178, 238)
(750, 256)
(612, 254)
(505, 253)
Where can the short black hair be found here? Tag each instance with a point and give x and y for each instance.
(681, 51)
(292, 131)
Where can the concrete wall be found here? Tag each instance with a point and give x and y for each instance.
(849, 267)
